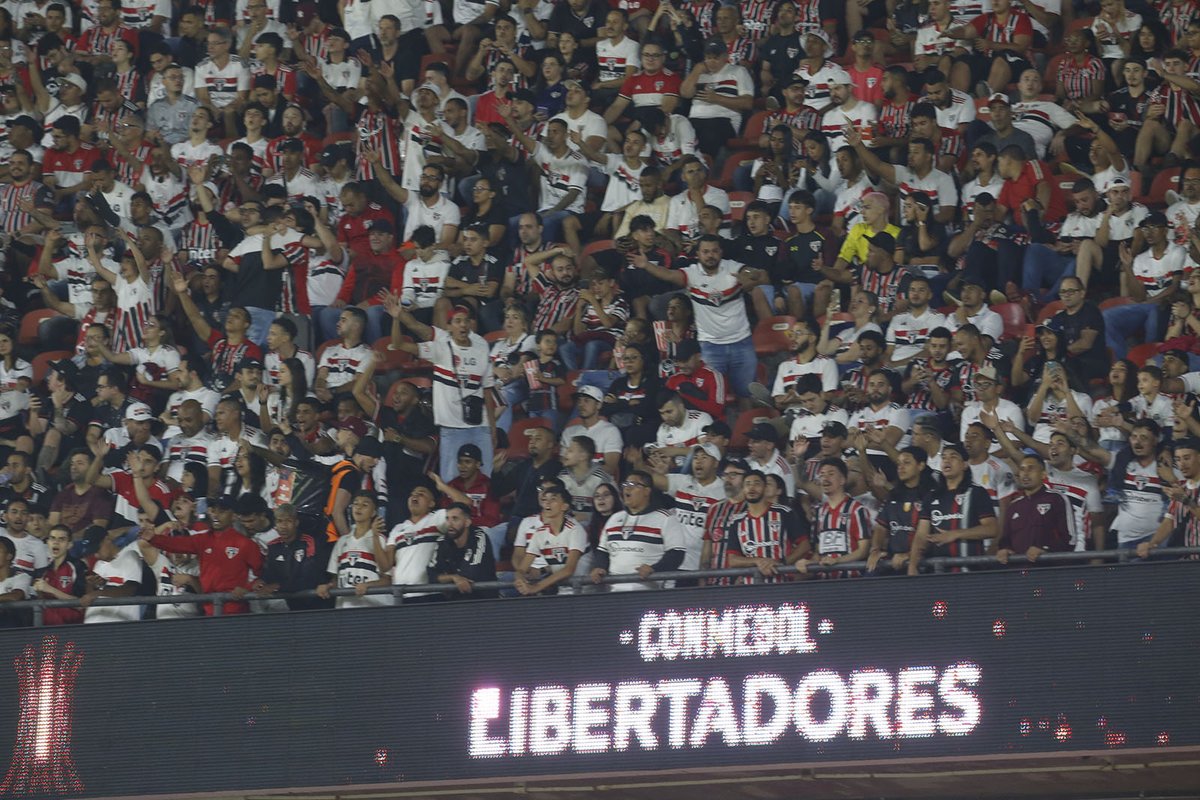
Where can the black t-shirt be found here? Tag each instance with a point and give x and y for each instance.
(759, 252)
(1124, 107)
(900, 514)
(782, 54)
(636, 282)
(910, 241)
(490, 269)
(563, 19)
(255, 286)
(955, 510)
(799, 253)
(474, 562)
(1073, 325)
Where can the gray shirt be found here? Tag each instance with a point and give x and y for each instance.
(1015, 136)
(171, 119)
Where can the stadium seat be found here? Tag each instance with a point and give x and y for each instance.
(599, 246)
(1014, 320)
(491, 337)
(1157, 194)
(731, 165)
(41, 363)
(439, 58)
(27, 336)
(392, 359)
(771, 335)
(1143, 353)
(1049, 310)
(333, 138)
(755, 126)
(747, 420)
(1113, 302)
(518, 442)
(1050, 74)
(566, 392)
(737, 204)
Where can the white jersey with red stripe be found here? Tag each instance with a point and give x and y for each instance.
(123, 571)
(550, 549)
(632, 540)
(1155, 274)
(135, 306)
(415, 544)
(1082, 491)
(183, 450)
(343, 363)
(692, 501)
(353, 562)
(1142, 501)
(458, 372)
(718, 301)
(223, 83)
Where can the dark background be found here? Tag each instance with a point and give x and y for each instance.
(381, 695)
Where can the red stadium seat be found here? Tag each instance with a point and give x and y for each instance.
(1014, 319)
(731, 165)
(392, 359)
(1049, 310)
(771, 335)
(566, 392)
(754, 129)
(333, 138)
(1142, 353)
(1113, 302)
(518, 442)
(31, 323)
(599, 246)
(737, 204)
(492, 337)
(747, 420)
(41, 363)
(1163, 180)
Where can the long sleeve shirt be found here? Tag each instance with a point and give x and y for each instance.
(1042, 519)
(227, 559)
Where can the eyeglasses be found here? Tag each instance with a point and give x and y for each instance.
(1069, 291)
(652, 55)
(634, 485)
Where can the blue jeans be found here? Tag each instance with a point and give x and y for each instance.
(1044, 266)
(736, 362)
(260, 325)
(600, 378)
(1123, 321)
(454, 438)
(513, 392)
(585, 356)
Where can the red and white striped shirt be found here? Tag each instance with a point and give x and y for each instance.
(839, 529)
(13, 218)
(1079, 79)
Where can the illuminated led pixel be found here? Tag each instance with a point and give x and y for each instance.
(42, 762)
(642, 713)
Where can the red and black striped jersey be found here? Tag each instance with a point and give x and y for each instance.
(838, 529)
(773, 534)
(1079, 79)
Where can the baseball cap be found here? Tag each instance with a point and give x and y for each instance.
(224, 501)
(1116, 180)
(839, 77)
(371, 448)
(333, 152)
(139, 412)
(834, 428)
(999, 97)
(883, 240)
(306, 12)
(470, 451)
(265, 82)
(710, 449)
(686, 349)
(590, 391)
(984, 199)
(1050, 324)
(26, 121)
(526, 96)
(292, 145)
(381, 225)
(1154, 219)
(957, 448)
(763, 432)
(822, 35)
(65, 367)
(250, 362)
(353, 424)
(431, 87)
(715, 46)
(987, 373)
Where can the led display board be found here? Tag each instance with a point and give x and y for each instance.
(999, 663)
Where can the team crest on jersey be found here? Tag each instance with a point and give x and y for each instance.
(78, 163)
(871, 82)
(64, 581)
(231, 552)
(1043, 508)
(772, 250)
(658, 85)
(774, 526)
(715, 298)
(1140, 482)
(298, 555)
(816, 246)
(698, 503)
(793, 52)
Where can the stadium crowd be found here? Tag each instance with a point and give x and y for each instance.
(342, 295)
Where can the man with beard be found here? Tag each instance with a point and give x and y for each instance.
(292, 121)
(605, 435)
(892, 536)
(1183, 513)
(908, 333)
(20, 197)
(712, 551)
(1039, 520)
(881, 422)
(958, 519)
(464, 556)
(1134, 474)
(765, 535)
(920, 175)
(803, 336)
(427, 206)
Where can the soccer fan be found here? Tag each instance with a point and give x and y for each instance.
(766, 535)
(464, 555)
(958, 519)
(638, 539)
(63, 577)
(1039, 520)
(553, 547)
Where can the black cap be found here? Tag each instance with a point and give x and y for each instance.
(715, 46)
(331, 154)
(292, 145)
(381, 225)
(984, 199)
(224, 501)
(883, 240)
(249, 362)
(27, 121)
(469, 450)
(834, 428)
(525, 95)
(371, 448)
(264, 82)
(65, 366)
(249, 504)
(957, 448)
(1154, 219)
(686, 349)
(763, 431)
(719, 428)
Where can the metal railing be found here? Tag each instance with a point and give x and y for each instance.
(578, 582)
